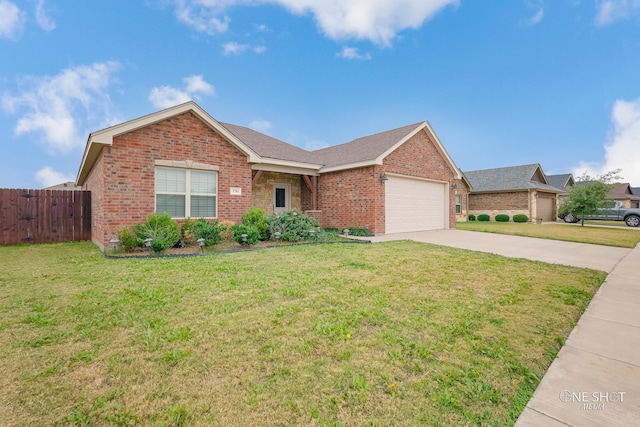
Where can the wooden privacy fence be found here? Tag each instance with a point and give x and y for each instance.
(44, 216)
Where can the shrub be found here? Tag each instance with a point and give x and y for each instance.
(292, 225)
(472, 217)
(257, 218)
(186, 233)
(225, 230)
(502, 218)
(520, 218)
(355, 231)
(164, 231)
(127, 238)
(252, 232)
(209, 231)
(484, 217)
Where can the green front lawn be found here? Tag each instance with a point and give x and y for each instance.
(397, 333)
(620, 237)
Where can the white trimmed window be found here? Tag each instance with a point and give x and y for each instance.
(458, 204)
(186, 193)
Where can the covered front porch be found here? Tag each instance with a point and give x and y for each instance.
(279, 191)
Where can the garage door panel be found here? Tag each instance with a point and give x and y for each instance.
(414, 205)
(545, 209)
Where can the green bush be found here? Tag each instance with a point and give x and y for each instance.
(257, 218)
(472, 217)
(128, 239)
(502, 218)
(484, 217)
(520, 218)
(164, 231)
(292, 225)
(211, 232)
(252, 232)
(355, 231)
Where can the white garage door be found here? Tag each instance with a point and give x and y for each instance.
(414, 205)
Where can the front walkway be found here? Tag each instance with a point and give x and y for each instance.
(595, 379)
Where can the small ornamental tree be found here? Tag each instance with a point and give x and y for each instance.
(588, 195)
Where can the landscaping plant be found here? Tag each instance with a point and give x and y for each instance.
(502, 218)
(292, 225)
(256, 217)
(484, 217)
(520, 218)
(211, 232)
(164, 231)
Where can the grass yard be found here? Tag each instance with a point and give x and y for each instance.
(397, 333)
(619, 237)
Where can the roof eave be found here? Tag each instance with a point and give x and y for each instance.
(354, 165)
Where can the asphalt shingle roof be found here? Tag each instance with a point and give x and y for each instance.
(362, 149)
(559, 181)
(508, 179)
(267, 146)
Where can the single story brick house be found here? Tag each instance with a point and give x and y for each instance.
(183, 161)
(513, 190)
(623, 193)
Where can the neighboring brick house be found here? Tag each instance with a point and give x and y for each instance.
(182, 161)
(563, 182)
(462, 188)
(623, 193)
(513, 190)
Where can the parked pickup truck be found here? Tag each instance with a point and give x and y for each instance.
(616, 213)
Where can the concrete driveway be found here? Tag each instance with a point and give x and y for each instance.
(598, 257)
(595, 379)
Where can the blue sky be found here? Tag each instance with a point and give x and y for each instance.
(502, 83)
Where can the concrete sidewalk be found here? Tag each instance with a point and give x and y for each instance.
(595, 379)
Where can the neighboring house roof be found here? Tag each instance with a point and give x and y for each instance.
(621, 191)
(635, 191)
(562, 181)
(513, 178)
(70, 185)
(268, 153)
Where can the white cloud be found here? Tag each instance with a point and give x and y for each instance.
(12, 20)
(48, 177)
(204, 15)
(352, 53)
(233, 48)
(535, 19)
(59, 107)
(621, 151)
(168, 96)
(196, 84)
(376, 20)
(260, 125)
(614, 10)
(43, 20)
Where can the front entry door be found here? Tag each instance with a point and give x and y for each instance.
(281, 198)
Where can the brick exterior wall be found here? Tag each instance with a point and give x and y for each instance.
(355, 198)
(262, 193)
(126, 172)
(95, 184)
(492, 204)
(352, 198)
(510, 203)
